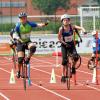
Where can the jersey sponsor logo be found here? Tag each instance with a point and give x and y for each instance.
(68, 38)
(25, 36)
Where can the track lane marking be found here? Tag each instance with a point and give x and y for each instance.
(4, 96)
(53, 92)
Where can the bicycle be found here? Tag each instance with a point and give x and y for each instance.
(25, 73)
(14, 59)
(78, 63)
(69, 68)
(92, 63)
(68, 74)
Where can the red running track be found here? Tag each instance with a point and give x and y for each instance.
(41, 68)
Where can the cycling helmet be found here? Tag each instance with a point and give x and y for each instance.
(94, 32)
(22, 14)
(65, 16)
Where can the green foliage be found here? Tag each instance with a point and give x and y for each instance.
(50, 6)
(98, 1)
(52, 26)
(6, 27)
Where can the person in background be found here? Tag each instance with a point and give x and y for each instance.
(95, 43)
(77, 38)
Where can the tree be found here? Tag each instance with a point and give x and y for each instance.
(98, 1)
(50, 6)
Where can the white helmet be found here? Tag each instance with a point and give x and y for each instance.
(94, 32)
(64, 16)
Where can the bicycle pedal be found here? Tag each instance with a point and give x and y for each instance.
(63, 79)
(18, 74)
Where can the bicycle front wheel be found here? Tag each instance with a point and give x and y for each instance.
(68, 75)
(24, 75)
(14, 59)
(90, 65)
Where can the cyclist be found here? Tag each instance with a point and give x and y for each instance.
(65, 36)
(95, 40)
(12, 41)
(21, 34)
(76, 37)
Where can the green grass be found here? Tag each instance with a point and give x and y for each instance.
(53, 25)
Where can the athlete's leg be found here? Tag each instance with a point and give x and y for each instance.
(32, 49)
(21, 55)
(64, 63)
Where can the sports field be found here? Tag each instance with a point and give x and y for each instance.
(41, 88)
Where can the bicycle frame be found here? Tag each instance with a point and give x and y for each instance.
(14, 57)
(26, 72)
(68, 74)
(28, 69)
(68, 70)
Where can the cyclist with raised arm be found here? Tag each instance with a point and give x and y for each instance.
(65, 36)
(21, 34)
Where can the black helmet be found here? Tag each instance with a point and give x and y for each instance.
(22, 14)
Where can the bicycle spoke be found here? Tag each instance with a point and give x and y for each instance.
(24, 75)
(78, 63)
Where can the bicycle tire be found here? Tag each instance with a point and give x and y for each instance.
(14, 60)
(90, 65)
(68, 75)
(78, 63)
(24, 75)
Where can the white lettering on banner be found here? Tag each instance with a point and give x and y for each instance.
(68, 38)
(48, 43)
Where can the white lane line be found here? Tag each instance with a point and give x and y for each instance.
(57, 94)
(71, 80)
(0, 92)
(43, 61)
(5, 70)
(56, 75)
(59, 76)
(46, 88)
(6, 98)
(55, 65)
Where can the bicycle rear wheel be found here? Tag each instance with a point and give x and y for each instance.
(68, 75)
(90, 65)
(78, 63)
(14, 59)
